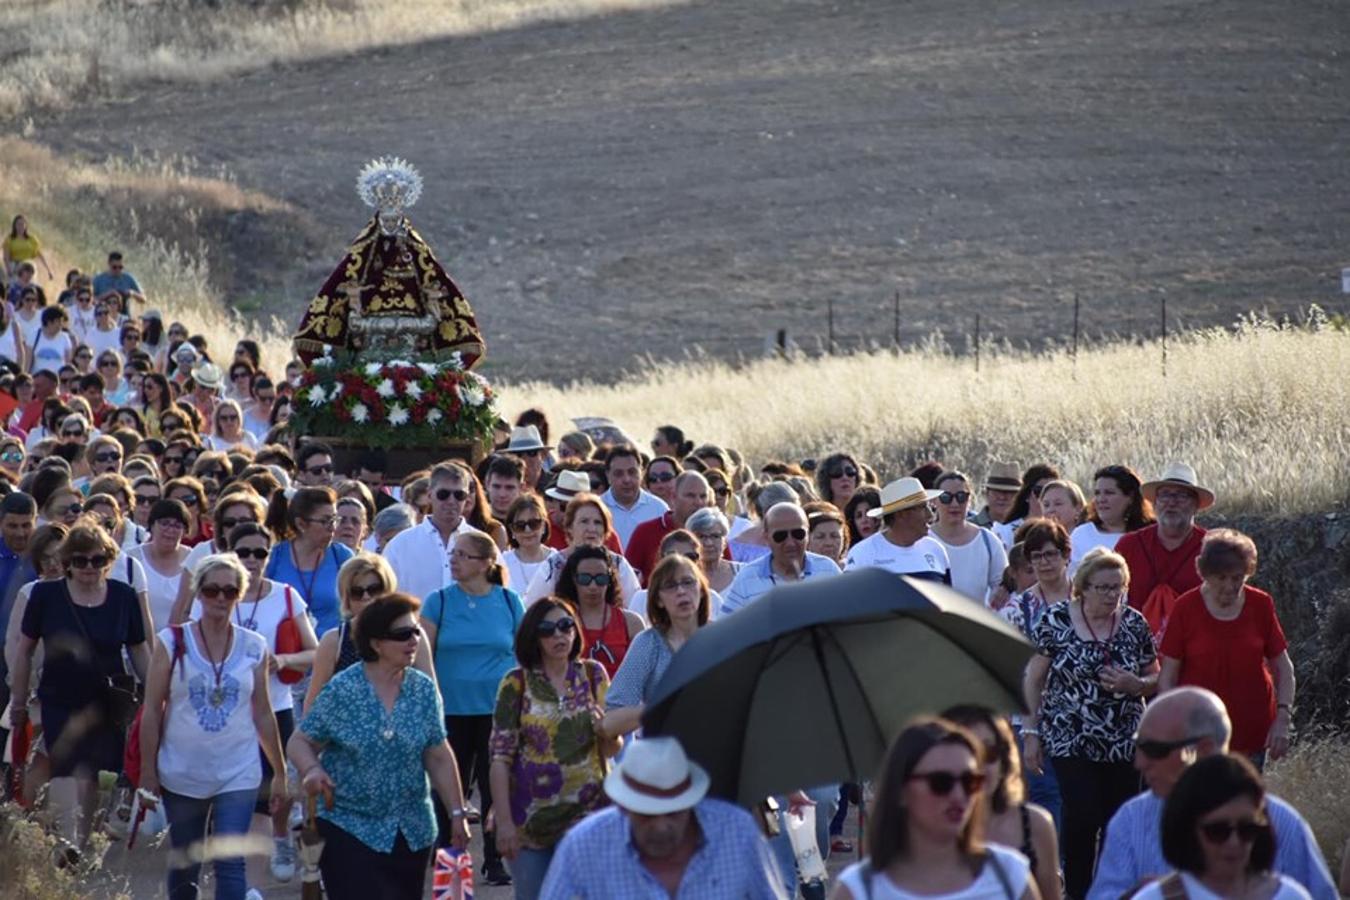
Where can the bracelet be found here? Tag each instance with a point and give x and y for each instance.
(457, 813)
(1030, 732)
(1287, 707)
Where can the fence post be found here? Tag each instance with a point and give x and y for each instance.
(896, 326)
(1163, 305)
(1075, 330)
(977, 342)
(830, 307)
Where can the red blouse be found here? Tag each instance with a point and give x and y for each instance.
(607, 644)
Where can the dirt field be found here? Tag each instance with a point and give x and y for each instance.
(707, 173)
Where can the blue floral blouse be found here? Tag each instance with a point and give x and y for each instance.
(375, 759)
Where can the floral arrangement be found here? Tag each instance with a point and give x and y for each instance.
(393, 402)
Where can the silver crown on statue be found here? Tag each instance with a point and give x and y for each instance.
(389, 185)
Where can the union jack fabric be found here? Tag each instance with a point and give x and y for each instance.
(453, 878)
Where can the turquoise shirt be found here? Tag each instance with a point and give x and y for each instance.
(375, 760)
(475, 645)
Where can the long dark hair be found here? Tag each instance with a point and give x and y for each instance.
(673, 435)
(1205, 786)
(866, 497)
(165, 395)
(567, 579)
(888, 829)
(480, 516)
(1140, 512)
(823, 479)
(14, 226)
(527, 635)
(1035, 473)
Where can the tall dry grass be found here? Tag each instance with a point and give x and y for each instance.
(1260, 411)
(56, 50)
(1315, 778)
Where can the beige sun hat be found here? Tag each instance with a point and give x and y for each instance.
(208, 375)
(570, 483)
(903, 493)
(1003, 477)
(525, 437)
(1183, 475)
(656, 777)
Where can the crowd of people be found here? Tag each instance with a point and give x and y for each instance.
(473, 645)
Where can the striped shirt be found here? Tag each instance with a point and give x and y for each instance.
(757, 578)
(1132, 850)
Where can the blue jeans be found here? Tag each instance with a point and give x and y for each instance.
(1043, 789)
(229, 815)
(826, 798)
(528, 870)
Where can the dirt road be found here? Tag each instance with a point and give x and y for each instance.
(710, 172)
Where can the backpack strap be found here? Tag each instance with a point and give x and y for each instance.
(1172, 887)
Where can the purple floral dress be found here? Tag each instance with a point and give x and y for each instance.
(549, 743)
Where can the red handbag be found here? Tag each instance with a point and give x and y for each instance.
(288, 641)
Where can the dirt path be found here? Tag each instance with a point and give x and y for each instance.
(707, 173)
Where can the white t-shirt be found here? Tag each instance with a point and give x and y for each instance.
(50, 352)
(977, 565)
(1007, 531)
(1086, 538)
(546, 579)
(103, 341)
(520, 572)
(29, 328)
(925, 558)
(245, 439)
(9, 345)
(81, 322)
(988, 886)
(263, 619)
(163, 589)
(1289, 889)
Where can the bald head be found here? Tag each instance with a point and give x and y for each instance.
(1179, 727)
(691, 494)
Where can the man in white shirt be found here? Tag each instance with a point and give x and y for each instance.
(903, 545)
(629, 505)
(788, 561)
(415, 553)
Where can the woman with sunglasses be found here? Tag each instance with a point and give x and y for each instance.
(64, 505)
(163, 557)
(85, 623)
(527, 523)
(83, 359)
(309, 560)
(1094, 666)
(678, 604)
(190, 492)
(362, 578)
(471, 625)
(976, 555)
(368, 744)
(547, 720)
(238, 505)
(12, 456)
(1118, 507)
(207, 710)
(838, 478)
(227, 428)
(926, 835)
(156, 400)
(1216, 832)
(587, 523)
(589, 582)
(660, 477)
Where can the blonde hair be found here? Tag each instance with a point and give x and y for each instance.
(1097, 560)
(363, 564)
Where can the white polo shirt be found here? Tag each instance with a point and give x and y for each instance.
(628, 518)
(420, 559)
(925, 558)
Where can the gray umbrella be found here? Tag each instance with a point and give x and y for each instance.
(809, 684)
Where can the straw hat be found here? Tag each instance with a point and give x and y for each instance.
(208, 375)
(525, 437)
(655, 777)
(903, 493)
(1003, 477)
(570, 483)
(1184, 476)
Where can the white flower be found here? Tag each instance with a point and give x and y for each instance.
(360, 413)
(456, 361)
(413, 390)
(434, 415)
(471, 394)
(337, 389)
(324, 360)
(373, 369)
(400, 363)
(398, 415)
(317, 395)
(429, 368)
(386, 388)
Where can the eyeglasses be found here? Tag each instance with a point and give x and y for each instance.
(447, 493)
(461, 554)
(1044, 556)
(252, 552)
(146, 500)
(231, 417)
(72, 432)
(1037, 488)
(325, 521)
(1218, 832)
(1105, 591)
(842, 472)
(797, 534)
(80, 561)
(215, 591)
(73, 509)
(228, 523)
(584, 579)
(110, 456)
(548, 628)
(108, 364)
(326, 469)
(682, 584)
(352, 520)
(948, 496)
(170, 524)
(660, 477)
(366, 590)
(941, 783)
(1162, 749)
(692, 554)
(400, 635)
(11, 456)
(526, 525)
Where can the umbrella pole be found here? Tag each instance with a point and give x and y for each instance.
(819, 649)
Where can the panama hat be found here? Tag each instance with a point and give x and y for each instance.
(523, 438)
(570, 483)
(208, 375)
(1184, 476)
(655, 777)
(903, 493)
(1003, 477)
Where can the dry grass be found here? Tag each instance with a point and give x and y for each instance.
(27, 851)
(1315, 778)
(1261, 411)
(56, 50)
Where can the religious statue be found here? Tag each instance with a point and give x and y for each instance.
(390, 293)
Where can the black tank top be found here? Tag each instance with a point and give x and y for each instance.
(347, 654)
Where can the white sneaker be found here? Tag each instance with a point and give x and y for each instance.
(253, 894)
(283, 859)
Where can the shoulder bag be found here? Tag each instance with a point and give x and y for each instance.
(288, 641)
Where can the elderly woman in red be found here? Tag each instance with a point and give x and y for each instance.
(1225, 636)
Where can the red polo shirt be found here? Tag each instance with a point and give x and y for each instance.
(1152, 564)
(645, 544)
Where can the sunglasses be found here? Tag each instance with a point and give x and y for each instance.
(188, 499)
(80, 561)
(215, 591)
(550, 628)
(73, 509)
(447, 493)
(171, 524)
(527, 525)
(143, 500)
(1247, 830)
(585, 578)
(76, 432)
(941, 783)
(692, 555)
(661, 477)
(318, 470)
(11, 456)
(228, 523)
(259, 553)
(1036, 489)
(176, 460)
(403, 634)
(842, 472)
(110, 456)
(110, 364)
(530, 453)
(797, 534)
(948, 496)
(366, 590)
(1162, 749)
(231, 417)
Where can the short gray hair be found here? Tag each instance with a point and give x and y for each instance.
(772, 494)
(215, 562)
(707, 519)
(394, 518)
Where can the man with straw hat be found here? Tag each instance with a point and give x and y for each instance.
(662, 837)
(903, 546)
(1000, 493)
(1162, 556)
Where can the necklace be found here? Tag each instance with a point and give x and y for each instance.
(217, 695)
(251, 623)
(308, 586)
(1106, 643)
(386, 715)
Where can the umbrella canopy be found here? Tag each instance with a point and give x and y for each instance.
(809, 684)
